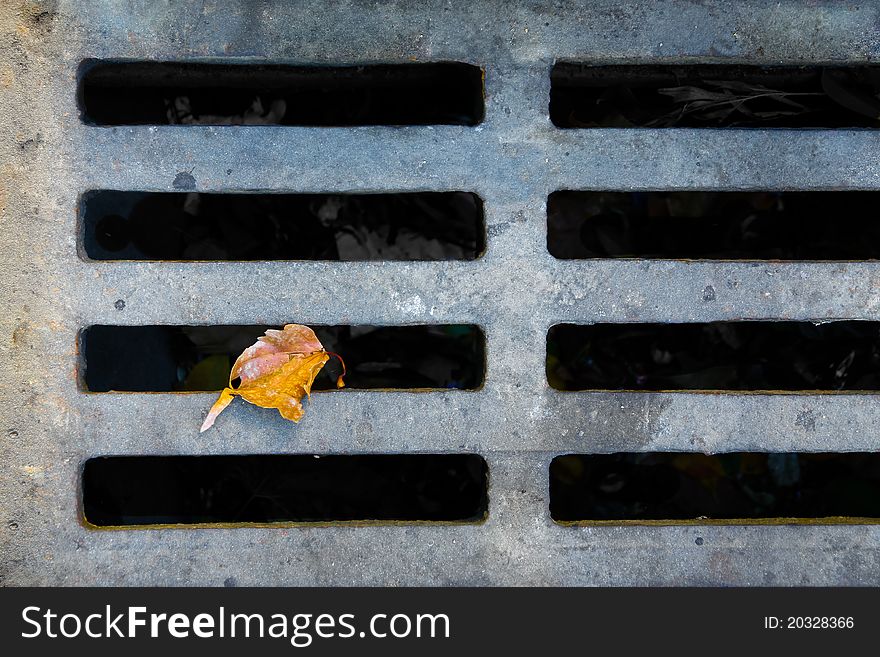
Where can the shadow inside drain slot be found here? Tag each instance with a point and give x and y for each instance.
(132, 491)
(678, 487)
(254, 226)
(773, 356)
(714, 96)
(203, 93)
(165, 358)
(756, 225)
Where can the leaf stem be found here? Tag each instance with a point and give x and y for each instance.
(339, 382)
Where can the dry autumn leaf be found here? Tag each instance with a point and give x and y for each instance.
(277, 371)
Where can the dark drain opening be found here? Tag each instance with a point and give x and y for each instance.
(713, 96)
(744, 485)
(191, 93)
(714, 225)
(744, 355)
(123, 225)
(199, 358)
(124, 491)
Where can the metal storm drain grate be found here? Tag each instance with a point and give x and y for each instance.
(605, 278)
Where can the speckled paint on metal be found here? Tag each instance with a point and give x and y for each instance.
(514, 159)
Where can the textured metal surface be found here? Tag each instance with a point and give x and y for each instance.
(516, 291)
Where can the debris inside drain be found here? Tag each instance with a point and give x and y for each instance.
(714, 96)
(213, 93)
(198, 226)
(277, 371)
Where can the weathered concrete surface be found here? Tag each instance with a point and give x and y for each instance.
(513, 160)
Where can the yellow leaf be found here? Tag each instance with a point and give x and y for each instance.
(285, 387)
(277, 371)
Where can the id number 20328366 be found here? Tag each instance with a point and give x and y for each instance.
(808, 622)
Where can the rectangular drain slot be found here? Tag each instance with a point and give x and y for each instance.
(200, 93)
(716, 356)
(163, 358)
(128, 225)
(760, 225)
(714, 96)
(130, 491)
(671, 487)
